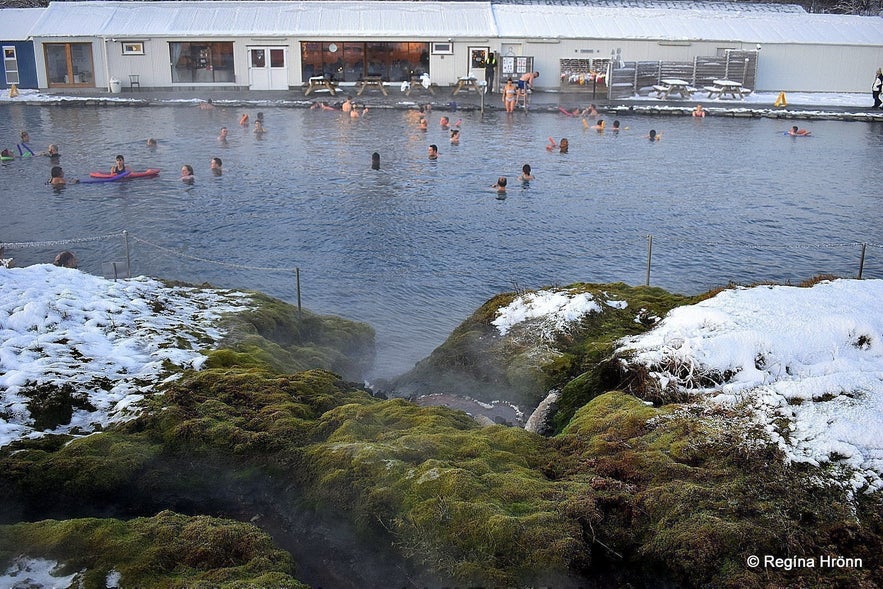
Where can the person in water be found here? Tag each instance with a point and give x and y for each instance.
(433, 152)
(653, 135)
(187, 174)
(56, 177)
(216, 166)
(455, 136)
(698, 112)
(375, 161)
(151, 143)
(500, 186)
(243, 120)
(259, 128)
(24, 150)
(796, 131)
(223, 135)
(526, 175)
(119, 165)
(562, 147)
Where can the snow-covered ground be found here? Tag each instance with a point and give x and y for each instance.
(108, 339)
(752, 101)
(811, 358)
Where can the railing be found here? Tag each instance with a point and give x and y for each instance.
(629, 77)
(681, 246)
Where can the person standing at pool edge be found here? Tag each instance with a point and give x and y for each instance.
(877, 87)
(490, 70)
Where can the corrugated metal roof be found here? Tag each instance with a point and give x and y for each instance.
(304, 19)
(16, 23)
(593, 22)
(433, 20)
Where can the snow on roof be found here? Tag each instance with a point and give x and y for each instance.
(311, 18)
(16, 23)
(684, 24)
(692, 21)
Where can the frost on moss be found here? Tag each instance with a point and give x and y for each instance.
(695, 490)
(166, 550)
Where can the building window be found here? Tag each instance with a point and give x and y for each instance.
(133, 48)
(10, 65)
(201, 62)
(348, 62)
(69, 64)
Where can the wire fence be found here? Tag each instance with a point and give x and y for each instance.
(678, 243)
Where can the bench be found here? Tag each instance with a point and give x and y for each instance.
(713, 91)
(371, 81)
(320, 83)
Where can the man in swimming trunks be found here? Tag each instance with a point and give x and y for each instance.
(526, 80)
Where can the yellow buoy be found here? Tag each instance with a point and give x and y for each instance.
(13, 91)
(780, 100)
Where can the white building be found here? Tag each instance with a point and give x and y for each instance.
(279, 45)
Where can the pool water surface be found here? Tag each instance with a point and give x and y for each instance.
(415, 247)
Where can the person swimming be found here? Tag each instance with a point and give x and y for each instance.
(526, 175)
(796, 131)
(652, 136)
(500, 185)
(24, 150)
(119, 165)
(56, 177)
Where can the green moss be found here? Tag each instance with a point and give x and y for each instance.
(167, 550)
(695, 490)
(276, 334)
(468, 501)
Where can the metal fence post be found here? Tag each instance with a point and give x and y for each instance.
(649, 257)
(128, 258)
(861, 262)
(300, 311)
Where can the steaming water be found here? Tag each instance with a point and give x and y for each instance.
(414, 248)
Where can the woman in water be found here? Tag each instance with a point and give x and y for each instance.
(119, 165)
(526, 175)
(187, 174)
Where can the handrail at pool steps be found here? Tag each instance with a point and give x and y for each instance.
(863, 248)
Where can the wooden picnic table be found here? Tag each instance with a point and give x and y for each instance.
(416, 83)
(722, 88)
(671, 86)
(373, 82)
(466, 83)
(320, 83)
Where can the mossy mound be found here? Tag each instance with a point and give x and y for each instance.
(695, 491)
(278, 335)
(166, 550)
(478, 362)
(470, 503)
